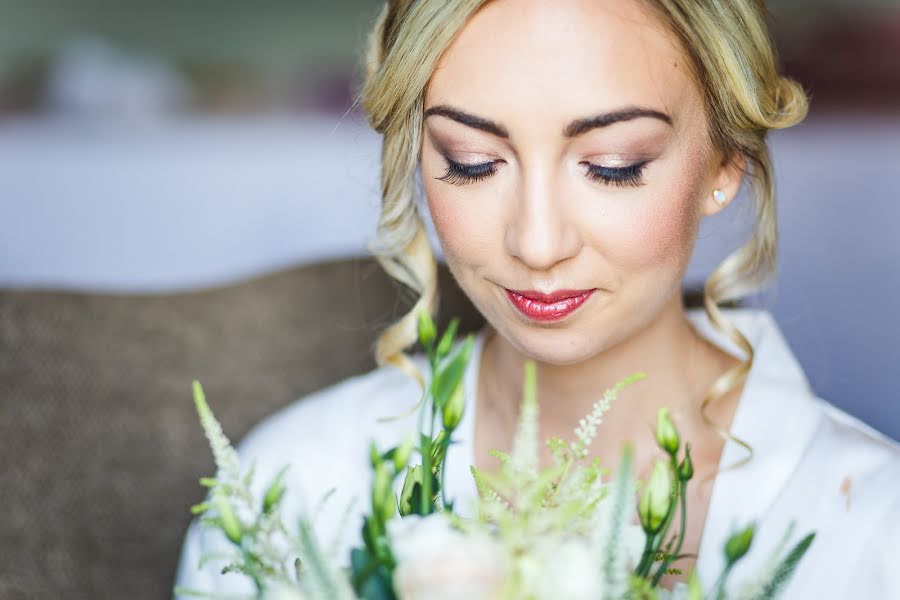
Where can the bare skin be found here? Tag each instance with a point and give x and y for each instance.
(538, 221)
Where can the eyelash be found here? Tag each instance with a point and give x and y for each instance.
(630, 176)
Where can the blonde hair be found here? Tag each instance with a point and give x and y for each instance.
(733, 62)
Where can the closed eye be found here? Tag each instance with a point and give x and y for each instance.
(462, 174)
(632, 175)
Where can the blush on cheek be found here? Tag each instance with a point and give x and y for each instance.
(450, 223)
(662, 235)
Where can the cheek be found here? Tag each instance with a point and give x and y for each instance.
(667, 231)
(463, 222)
(655, 233)
(458, 223)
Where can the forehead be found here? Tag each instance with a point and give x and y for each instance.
(562, 59)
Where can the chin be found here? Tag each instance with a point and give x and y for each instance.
(557, 345)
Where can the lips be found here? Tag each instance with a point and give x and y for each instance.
(548, 307)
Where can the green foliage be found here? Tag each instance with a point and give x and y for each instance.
(519, 505)
(775, 574)
(421, 494)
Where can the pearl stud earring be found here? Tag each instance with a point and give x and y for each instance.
(719, 197)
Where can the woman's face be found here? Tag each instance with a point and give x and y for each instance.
(565, 148)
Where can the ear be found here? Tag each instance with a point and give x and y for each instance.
(727, 177)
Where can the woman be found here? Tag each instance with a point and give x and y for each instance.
(567, 153)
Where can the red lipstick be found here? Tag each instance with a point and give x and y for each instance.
(548, 307)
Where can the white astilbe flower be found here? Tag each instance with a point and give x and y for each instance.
(225, 456)
(524, 458)
(587, 426)
(621, 543)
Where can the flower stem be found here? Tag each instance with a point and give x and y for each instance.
(669, 556)
(648, 552)
(660, 536)
(425, 451)
(443, 487)
(720, 583)
(426, 500)
(251, 571)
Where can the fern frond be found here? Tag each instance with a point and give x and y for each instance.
(778, 572)
(320, 581)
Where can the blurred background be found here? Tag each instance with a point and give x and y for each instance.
(155, 148)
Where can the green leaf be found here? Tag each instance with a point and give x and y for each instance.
(399, 455)
(379, 586)
(447, 339)
(200, 508)
(275, 491)
(786, 568)
(227, 518)
(449, 376)
(426, 328)
(371, 580)
(439, 449)
(503, 456)
(410, 495)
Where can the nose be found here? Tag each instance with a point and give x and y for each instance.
(541, 232)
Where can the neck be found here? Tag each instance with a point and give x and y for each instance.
(679, 363)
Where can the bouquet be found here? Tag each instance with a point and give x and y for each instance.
(564, 531)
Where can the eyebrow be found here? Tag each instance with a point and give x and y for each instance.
(573, 129)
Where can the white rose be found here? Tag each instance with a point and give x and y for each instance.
(437, 562)
(566, 568)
